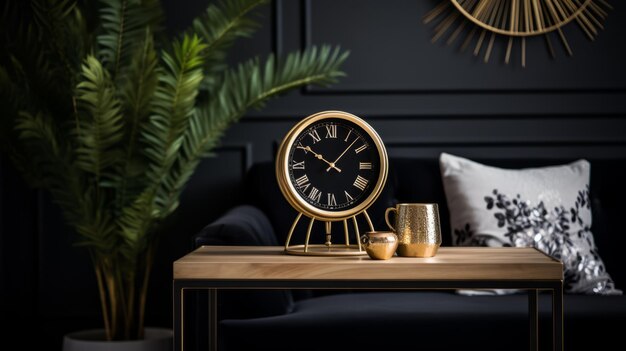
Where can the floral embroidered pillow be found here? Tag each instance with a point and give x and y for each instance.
(547, 208)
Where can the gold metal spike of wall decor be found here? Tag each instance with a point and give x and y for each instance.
(515, 19)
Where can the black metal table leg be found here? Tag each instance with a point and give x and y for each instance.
(557, 316)
(212, 319)
(178, 317)
(533, 318)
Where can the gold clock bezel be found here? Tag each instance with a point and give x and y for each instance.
(290, 192)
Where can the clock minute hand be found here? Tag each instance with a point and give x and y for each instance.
(340, 156)
(320, 157)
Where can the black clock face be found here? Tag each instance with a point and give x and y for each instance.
(334, 164)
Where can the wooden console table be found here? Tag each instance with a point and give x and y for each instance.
(267, 267)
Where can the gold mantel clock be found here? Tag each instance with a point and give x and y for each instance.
(331, 166)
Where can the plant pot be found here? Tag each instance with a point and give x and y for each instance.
(156, 339)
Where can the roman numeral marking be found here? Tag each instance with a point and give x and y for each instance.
(362, 165)
(297, 165)
(315, 194)
(303, 182)
(303, 149)
(347, 136)
(331, 131)
(315, 136)
(331, 200)
(360, 182)
(348, 197)
(361, 148)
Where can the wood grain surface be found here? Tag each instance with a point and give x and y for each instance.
(451, 263)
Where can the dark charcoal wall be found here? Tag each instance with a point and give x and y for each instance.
(423, 98)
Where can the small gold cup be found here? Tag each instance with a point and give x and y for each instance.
(418, 229)
(380, 245)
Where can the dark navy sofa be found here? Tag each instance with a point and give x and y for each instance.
(420, 320)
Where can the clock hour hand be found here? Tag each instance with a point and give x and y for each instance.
(319, 157)
(340, 156)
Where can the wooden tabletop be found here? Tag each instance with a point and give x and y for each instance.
(450, 263)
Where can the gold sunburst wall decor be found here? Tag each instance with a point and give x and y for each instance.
(481, 21)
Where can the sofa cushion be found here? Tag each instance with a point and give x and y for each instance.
(544, 207)
(242, 225)
(245, 225)
(427, 320)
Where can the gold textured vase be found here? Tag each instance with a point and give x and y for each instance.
(380, 245)
(418, 229)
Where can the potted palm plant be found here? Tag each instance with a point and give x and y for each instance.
(112, 119)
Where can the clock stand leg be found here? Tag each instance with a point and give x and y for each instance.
(308, 235)
(356, 232)
(328, 232)
(369, 221)
(345, 231)
(328, 248)
(293, 227)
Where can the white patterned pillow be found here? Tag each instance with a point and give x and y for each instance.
(547, 208)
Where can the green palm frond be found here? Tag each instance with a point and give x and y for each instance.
(12, 90)
(27, 67)
(249, 85)
(140, 83)
(219, 27)
(38, 133)
(100, 131)
(53, 161)
(124, 24)
(43, 44)
(79, 35)
(173, 104)
(136, 94)
(57, 22)
(97, 229)
(48, 14)
(135, 222)
(66, 185)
